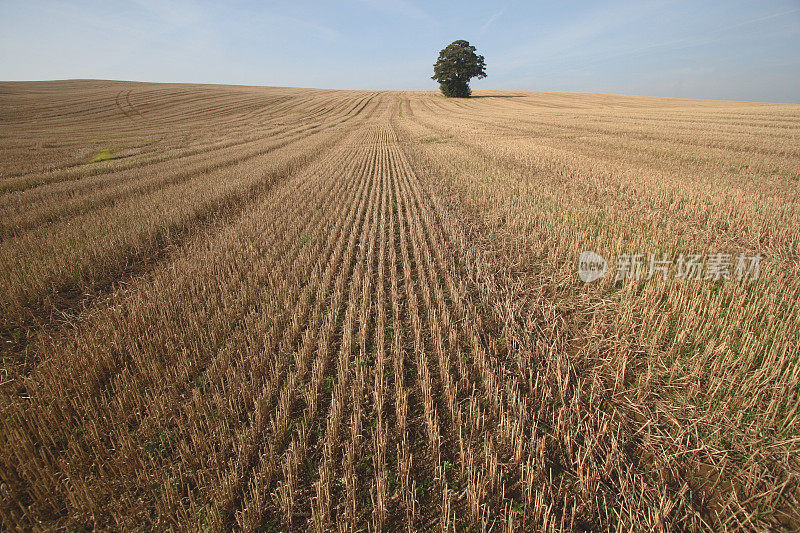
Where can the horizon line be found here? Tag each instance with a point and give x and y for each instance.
(395, 90)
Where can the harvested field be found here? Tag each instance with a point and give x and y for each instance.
(291, 309)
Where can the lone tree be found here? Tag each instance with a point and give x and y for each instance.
(457, 64)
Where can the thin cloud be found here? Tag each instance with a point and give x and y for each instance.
(328, 33)
(711, 36)
(493, 18)
(575, 35)
(397, 7)
(260, 19)
(759, 19)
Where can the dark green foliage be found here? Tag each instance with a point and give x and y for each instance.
(457, 64)
(455, 89)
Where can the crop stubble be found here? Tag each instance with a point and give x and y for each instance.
(287, 309)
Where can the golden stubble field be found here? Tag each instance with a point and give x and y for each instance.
(288, 309)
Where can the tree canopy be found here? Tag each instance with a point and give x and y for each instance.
(457, 64)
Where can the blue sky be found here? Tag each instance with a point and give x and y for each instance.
(741, 50)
